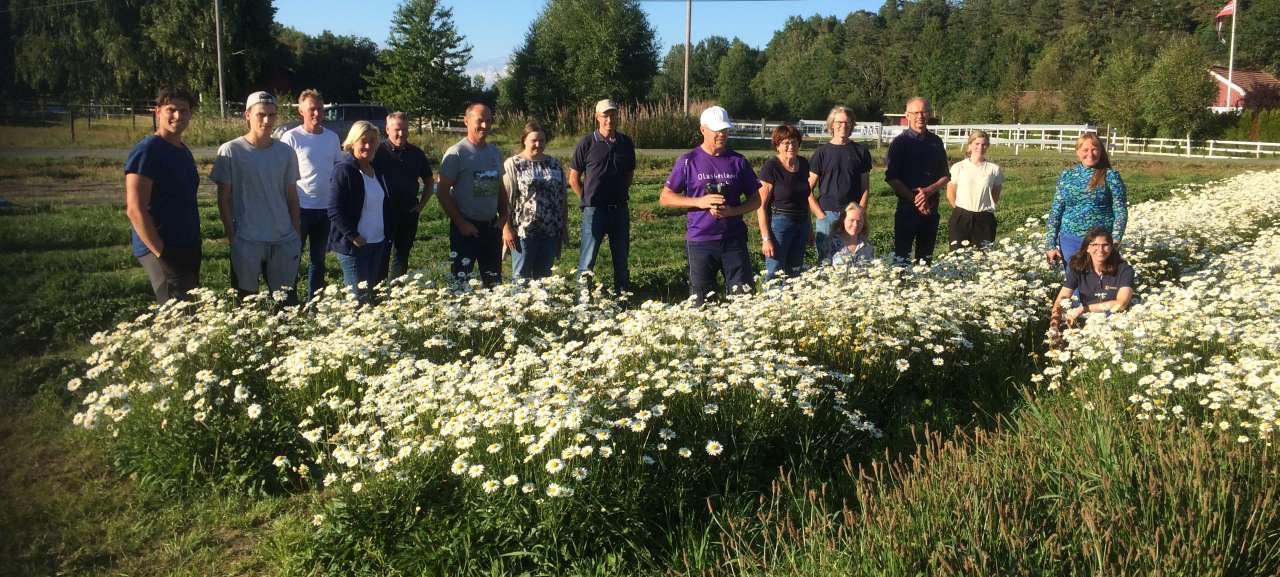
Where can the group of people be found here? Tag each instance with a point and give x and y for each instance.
(360, 196)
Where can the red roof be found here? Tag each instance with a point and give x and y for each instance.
(1248, 80)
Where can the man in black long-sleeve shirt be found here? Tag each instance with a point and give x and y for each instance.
(916, 170)
(405, 166)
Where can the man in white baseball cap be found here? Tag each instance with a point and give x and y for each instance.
(717, 186)
(257, 180)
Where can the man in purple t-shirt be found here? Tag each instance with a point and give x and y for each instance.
(717, 186)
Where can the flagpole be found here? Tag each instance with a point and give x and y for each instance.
(1231, 53)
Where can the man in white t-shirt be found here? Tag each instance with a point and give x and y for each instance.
(318, 149)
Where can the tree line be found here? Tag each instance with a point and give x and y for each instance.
(1137, 65)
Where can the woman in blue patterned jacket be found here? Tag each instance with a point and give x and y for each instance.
(1089, 194)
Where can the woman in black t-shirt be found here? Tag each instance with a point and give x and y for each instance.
(1098, 280)
(784, 205)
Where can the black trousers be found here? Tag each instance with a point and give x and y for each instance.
(395, 260)
(979, 228)
(910, 227)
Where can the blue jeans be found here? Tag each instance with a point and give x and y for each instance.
(824, 239)
(790, 237)
(484, 249)
(315, 234)
(710, 257)
(364, 264)
(1069, 244)
(612, 221)
(534, 257)
(911, 227)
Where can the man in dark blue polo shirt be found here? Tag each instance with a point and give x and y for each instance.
(405, 166)
(916, 169)
(160, 182)
(600, 174)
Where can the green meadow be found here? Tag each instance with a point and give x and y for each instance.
(1078, 492)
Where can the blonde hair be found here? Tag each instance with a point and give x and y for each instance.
(358, 132)
(863, 226)
(309, 94)
(974, 135)
(1099, 177)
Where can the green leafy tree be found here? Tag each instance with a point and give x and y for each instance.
(577, 51)
(704, 71)
(1258, 35)
(422, 70)
(331, 63)
(180, 35)
(864, 81)
(798, 78)
(1063, 77)
(78, 52)
(1117, 98)
(1176, 91)
(739, 66)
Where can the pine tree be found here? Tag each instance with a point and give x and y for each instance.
(422, 70)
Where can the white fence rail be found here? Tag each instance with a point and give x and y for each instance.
(1021, 136)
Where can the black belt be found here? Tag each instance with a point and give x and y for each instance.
(785, 212)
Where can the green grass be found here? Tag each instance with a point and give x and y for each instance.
(64, 510)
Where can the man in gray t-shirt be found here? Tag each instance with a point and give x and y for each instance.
(471, 194)
(258, 202)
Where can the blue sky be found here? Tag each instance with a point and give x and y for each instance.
(494, 28)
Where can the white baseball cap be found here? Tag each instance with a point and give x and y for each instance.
(605, 106)
(715, 118)
(259, 97)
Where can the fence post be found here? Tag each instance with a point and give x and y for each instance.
(761, 129)
(1188, 145)
(71, 113)
(1210, 149)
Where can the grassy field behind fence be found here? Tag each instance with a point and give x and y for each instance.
(64, 249)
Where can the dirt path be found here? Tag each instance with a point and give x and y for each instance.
(75, 193)
(120, 153)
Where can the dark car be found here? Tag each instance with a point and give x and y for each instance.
(340, 117)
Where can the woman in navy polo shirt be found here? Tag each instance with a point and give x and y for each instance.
(1096, 273)
(360, 212)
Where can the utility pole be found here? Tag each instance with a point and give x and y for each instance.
(689, 21)
(217, 31)
(1231, 57)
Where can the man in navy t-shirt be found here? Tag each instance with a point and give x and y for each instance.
(160, 181)
(717, 186)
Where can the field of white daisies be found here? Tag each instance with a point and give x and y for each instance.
(528, 427)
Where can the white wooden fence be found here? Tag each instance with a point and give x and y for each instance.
(1022, 136)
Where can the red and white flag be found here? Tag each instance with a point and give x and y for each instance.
(1228, 10)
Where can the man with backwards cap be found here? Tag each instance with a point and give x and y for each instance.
(717, 186)
(257, 180)
(607, 160)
